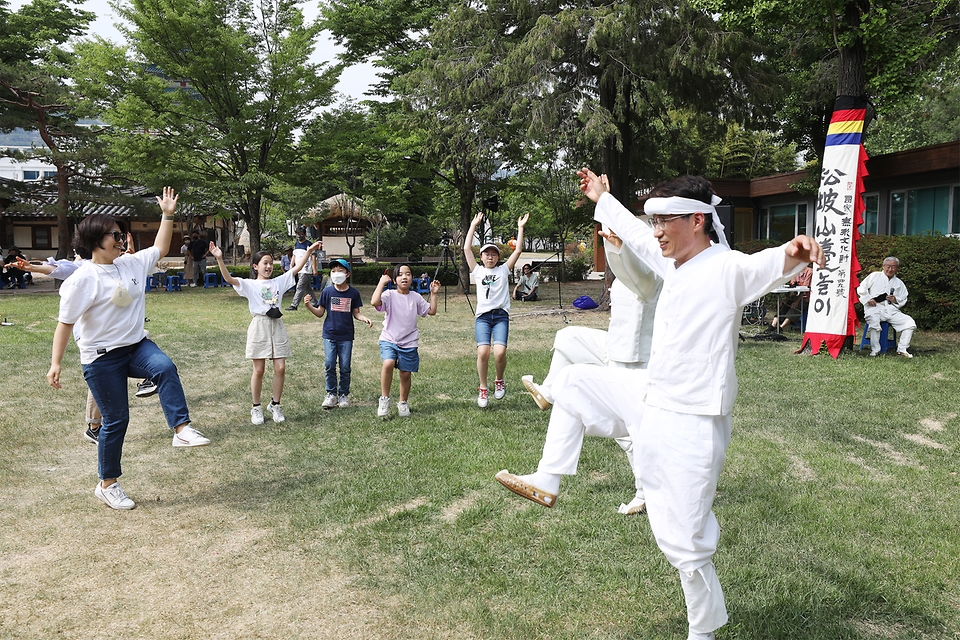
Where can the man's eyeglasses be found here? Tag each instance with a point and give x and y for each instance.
(659, 222)
(117, 236)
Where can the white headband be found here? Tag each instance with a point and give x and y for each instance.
(675, 205)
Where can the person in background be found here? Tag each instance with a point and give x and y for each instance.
(286, 261)
(527, 285)
(882, 295)
(199, 250)
(305, 278)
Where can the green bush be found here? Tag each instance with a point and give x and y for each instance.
(929, 266)
(755, 246)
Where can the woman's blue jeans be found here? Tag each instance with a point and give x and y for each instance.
(107, 378)
(333, 351)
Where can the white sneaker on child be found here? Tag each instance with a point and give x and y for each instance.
(256, 415)
(482, 398)
(403, 409)
(344, 402)
(500, 389)
(330, 401)
(276, 412)
(383, 407)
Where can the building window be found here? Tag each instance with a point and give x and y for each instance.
(783, 222)
(49, 174)
(871, 203)
(31, 175)
(41, 237)
(918, 211)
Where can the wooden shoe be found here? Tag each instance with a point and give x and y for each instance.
(525, 489)
(534, 390)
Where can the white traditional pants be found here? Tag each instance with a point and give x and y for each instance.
(591, 400)
(574, 345)
(679, 458)
(901, 322)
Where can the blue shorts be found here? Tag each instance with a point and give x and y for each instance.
(492, 327)
(406, 359)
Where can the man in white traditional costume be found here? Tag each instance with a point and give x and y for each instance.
(625, 348)
(883, 294)
(682, 429)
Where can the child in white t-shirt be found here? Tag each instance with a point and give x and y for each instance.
(492, 325)
(266, 336)
(400, 337)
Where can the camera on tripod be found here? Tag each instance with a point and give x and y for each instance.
(445, 239)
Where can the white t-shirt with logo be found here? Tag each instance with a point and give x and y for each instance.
(86, 302)
(493, 288)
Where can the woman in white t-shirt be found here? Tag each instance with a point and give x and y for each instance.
(103, 303)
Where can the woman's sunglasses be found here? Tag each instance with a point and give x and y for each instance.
(117, 236)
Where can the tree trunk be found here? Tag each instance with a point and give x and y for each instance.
(616, 161)
(467, 189)
(63, 221)
(851, 72)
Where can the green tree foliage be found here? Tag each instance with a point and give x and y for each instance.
(36, 92)
(929, 116)
(821, 48)
(743, 153)
(210, 96)
(612, 77)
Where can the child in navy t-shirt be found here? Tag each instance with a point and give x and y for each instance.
(343, 303)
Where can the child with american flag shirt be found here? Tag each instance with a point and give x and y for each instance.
(343, 302)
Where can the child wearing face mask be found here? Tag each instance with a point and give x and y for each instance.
(343, 302)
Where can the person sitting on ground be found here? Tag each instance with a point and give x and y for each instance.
(882, 294)
(791, 307)
(11, 272)
(527, 285)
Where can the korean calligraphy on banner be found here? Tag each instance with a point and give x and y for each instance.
(839, 213)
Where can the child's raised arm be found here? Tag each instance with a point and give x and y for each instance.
(302, 261)
(434, 290)
(375, 299)
(317, 311)
(218, 254)
(512, 260)
(468, 241)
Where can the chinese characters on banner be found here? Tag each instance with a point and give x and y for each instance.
(839, 212)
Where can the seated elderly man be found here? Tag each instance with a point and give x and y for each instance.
(882, 294)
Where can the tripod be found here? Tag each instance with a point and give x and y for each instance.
(559, 256)
(447, 258)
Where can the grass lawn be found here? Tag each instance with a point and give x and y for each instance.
(839, 503)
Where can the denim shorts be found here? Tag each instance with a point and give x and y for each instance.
(406, 359)
(492, 327)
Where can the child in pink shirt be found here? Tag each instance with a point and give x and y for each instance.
(399, 338)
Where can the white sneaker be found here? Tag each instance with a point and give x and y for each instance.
(403, 409)
(256, 415)
(276, 412)
(344, 402)
(114, 497)
(383, 407)
(482, 398)
(330, 401)
(500, 389)
(189, 437)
